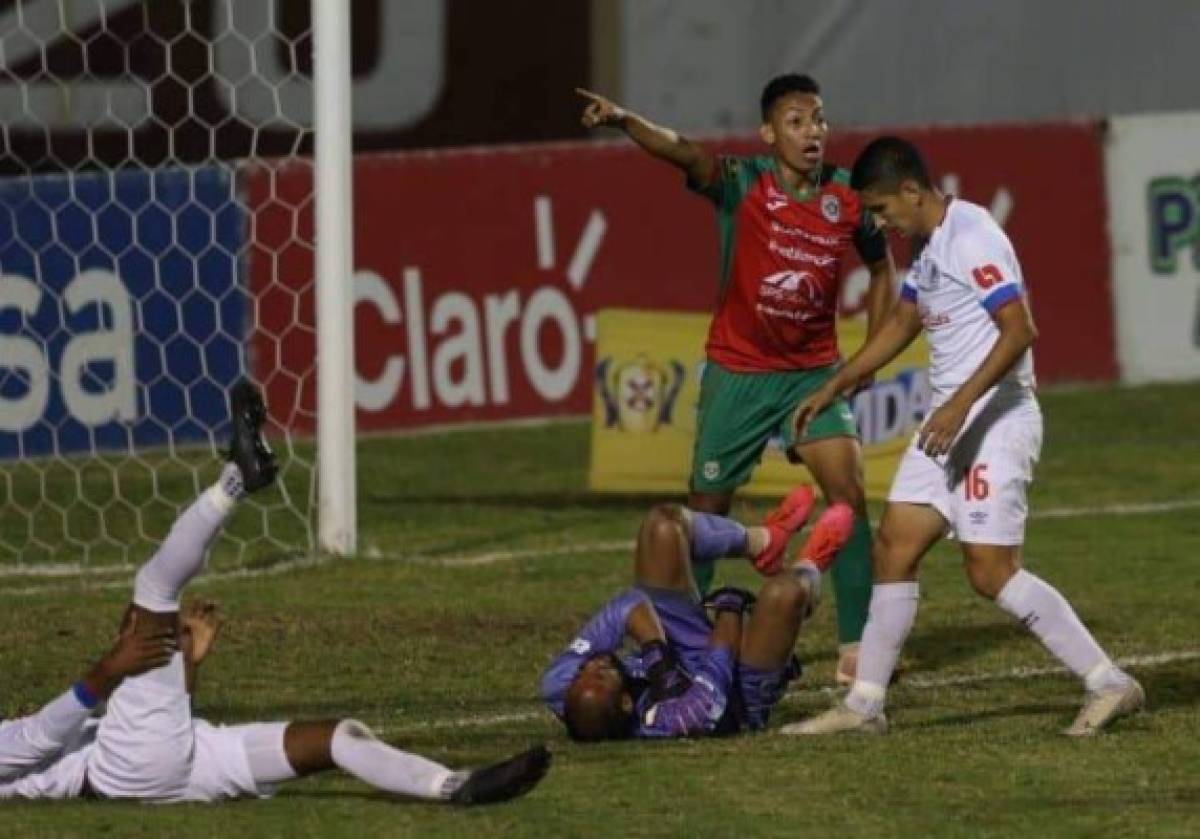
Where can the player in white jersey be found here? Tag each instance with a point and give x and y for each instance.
(147, 746)
(968, 466)
(29, 743)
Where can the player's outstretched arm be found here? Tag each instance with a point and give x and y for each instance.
(902, 325)
(663, 143)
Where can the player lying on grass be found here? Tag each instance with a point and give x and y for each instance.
(692, 676)
(147, 745)
(29, 743)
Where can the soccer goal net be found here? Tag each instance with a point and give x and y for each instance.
(156, 245)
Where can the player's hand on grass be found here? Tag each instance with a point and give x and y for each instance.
(600, 111)
(941, 428)
(200, 624)
(133, 653)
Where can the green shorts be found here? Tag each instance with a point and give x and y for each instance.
(740, 412)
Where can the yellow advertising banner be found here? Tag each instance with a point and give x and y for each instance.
(647, 387)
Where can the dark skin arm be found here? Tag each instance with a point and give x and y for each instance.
(878, 302)
(661, 142)
(643, 626)
(899, 330)
(879, 292)
(130, 655)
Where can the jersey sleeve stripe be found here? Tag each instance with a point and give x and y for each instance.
(1001, 297)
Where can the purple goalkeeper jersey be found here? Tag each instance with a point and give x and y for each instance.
(688, 632)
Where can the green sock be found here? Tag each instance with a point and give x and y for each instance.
(852, 583)
(703, 573)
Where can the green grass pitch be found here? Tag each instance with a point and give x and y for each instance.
(443, 658)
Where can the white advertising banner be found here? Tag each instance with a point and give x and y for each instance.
(1153, 172)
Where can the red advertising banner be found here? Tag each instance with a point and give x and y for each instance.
(478, 272)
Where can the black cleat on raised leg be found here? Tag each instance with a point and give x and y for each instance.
(504, 780)
(247, 446)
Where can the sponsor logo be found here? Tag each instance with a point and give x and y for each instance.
(1174, 224)
(933, 320)
(638, 394)
(801, 233)
(456, 347)
(978, 518)
(800, 254)
(1173, 204)
(831, 208)
(775, 200)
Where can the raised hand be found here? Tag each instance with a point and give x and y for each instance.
(200, 624)
(600, 111)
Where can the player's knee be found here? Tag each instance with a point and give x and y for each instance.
(848, 490)
(783, 594)
(664, 523)
(988, 577)
(889, 562)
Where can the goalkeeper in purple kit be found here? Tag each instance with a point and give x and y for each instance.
(688, 674)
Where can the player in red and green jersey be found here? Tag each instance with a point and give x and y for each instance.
(787, 220)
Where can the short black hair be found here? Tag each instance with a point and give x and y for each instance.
(781, 86)
(885, 162)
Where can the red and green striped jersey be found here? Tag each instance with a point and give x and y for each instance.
(781, 264)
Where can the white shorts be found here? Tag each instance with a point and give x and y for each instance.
(149, 747)
(979, 488)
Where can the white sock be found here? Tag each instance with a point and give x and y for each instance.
(1049, 616)
(181, 555)
(893, 610)
(356, 750)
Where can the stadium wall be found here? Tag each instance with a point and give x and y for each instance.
(1153, 177)
(478, 272)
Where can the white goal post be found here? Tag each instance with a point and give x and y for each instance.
(175, 214)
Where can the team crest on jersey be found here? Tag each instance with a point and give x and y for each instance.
(831, 208)
(712, 470)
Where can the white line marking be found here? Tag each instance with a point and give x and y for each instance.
(1146, 661)
(1121, 509)
(543, 223)
(66, 570)
(585, 251)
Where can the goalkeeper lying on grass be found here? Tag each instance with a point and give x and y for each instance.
(692, 676)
